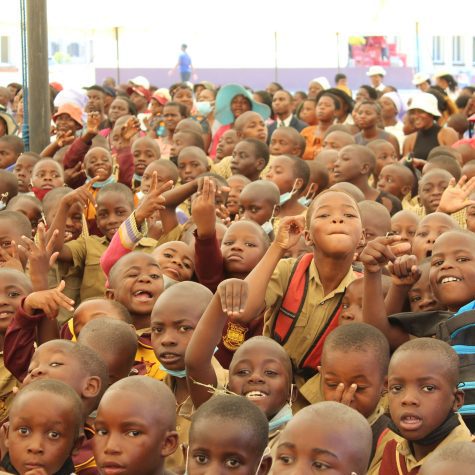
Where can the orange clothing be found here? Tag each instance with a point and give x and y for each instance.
(313, 143)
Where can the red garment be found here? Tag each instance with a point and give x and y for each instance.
(209, 269)
(389, 463)
(217, 135)
(20, 338)
(40, 193)
(75, 154)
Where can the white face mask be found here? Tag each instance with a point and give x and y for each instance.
(267, 227)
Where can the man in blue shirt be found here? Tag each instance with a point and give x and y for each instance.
(184, 64)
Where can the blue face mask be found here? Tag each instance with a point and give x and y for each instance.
(304, 201)
(285, 197)
(101, 184)
(203, 108)
(176, 374)
(267, 227)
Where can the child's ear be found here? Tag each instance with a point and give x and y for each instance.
(276, 210)
(406, 189)
(110, 294)
(260, 164)
(170, 444)
(298, 184)
(78, 444)
(265, 466)
(307, 238)
(92, 387)
(458, 401)
(365, 168)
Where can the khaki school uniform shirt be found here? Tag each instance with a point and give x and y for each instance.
(317, 309)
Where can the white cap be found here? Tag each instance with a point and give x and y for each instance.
(442, 72)
(420, 78)
(425, 102)
(375, 71)
(140, 81)
(323, 81)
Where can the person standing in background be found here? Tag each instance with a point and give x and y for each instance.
(184, 65)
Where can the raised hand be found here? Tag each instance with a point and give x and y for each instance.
(48, 301)
(203, 208)
(64, 138)
(289, 231)
(82, 195)
(233, 295)
(11, 261)
(153, 201)
(93, 122)
(456, 195)
(404, 270)
(129, 130)
(378, 252)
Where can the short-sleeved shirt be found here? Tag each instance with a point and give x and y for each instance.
(317, 309)
(184, 63)
(87, 252)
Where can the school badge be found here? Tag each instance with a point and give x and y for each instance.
(234, 337)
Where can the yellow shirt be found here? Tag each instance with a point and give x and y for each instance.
(318, 306)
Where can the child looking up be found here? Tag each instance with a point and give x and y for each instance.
(226, 144)
(135, 427)
(333, 226)
(355, 164)
(228, 433)
(250, 157)
(291, 175)
(325, 436)
(236, 184)
(385, 154)
(424, 397)
(45, 427)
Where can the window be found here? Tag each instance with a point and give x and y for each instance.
(4, 50)
(457, 50)
(73, 50)
(437, 50)
(55, 47)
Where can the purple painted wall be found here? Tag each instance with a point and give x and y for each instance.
(292, 79)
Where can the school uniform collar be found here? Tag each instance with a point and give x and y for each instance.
(346, 281)
(459, 434)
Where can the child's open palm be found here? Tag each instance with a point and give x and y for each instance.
(129, 129)
(289, 232)
(456, 195)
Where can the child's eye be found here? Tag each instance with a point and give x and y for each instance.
(187, 266)
(331, 384)
(270, 372)
(55, 364)
(395, 388)
(350, 215)
(24, 431)
(101, 432)
(416, 298)
(227, 243)
(428, 388)
(320, 465)
(421, 234)
(167, 255)
(157, 330)
(345, 306)
(250, 244)
(54, 435)
(6, 244)
(437, 263)
(201, 459)
(155, 276)
(185, 328)
(13, 294)
(133, 433)
(285, 459)
(242, 372)
(463, 259)
(232, 463)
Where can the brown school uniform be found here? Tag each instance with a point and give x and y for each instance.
(184, 411)
(398, 458)
(316, 312)
(7, 383)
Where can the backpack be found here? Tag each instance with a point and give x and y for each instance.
(459, 332)
(289, 313)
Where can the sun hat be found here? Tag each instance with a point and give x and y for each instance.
(141, 91)
(67, 96)
(140, 81)
(162, 96)
(9, 121)
(72, 110)
(224, 98)
(420, 78)
(441, 73)
(323, 81)
(376, 71)
(341, 95)
(425, 102)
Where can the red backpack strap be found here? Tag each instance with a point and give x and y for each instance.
(293, 301)
(311, 360)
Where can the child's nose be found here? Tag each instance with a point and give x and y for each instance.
(112, 446)
(409, 398)
(35, 445)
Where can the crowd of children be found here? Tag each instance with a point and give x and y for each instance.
(203, 280)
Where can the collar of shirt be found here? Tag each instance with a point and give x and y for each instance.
(285, 122)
